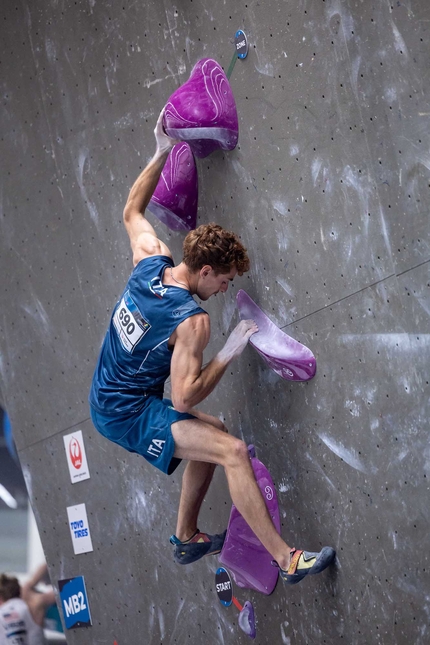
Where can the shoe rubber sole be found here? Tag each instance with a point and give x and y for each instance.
(323, 559)
(193, 551)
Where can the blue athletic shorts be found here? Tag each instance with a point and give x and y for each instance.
(146, 432)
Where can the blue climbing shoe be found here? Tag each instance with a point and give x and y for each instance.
(197, 546)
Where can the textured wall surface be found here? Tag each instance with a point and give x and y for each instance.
(330, 191)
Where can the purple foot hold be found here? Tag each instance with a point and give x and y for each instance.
(287, 357)
(242, 553)
(247, 619)
(203, 110)
(174, 201)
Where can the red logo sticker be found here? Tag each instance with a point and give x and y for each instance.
(75, 453)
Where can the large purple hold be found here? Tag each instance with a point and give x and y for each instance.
(287, 357)
(174, 201)
(203, 110)
(247, 560)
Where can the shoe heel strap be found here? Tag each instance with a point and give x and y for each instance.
(174, 540)
(295, 557)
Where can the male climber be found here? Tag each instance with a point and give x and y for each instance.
(156, 330)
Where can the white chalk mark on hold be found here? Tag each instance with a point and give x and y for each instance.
(384, 229)
(161, 622)
(399, 43)
(390, 94)
(51, 51)
(39, 315)
(322, 236)
(125, 121)
(189, 45)
(263, 66)
(321, 471)
(348, 455)
(80, 178)
(284, 487)
(279, 206)
(355, 68)
(316, 167)
(354, 410)
(286, 287)
(179, 612)
(241, 172)
(402, 455)
(181, 70)
(148, 83)
(425, 161)
(374, 424)
(286, 640)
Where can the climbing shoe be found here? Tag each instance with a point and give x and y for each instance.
(304, 563)
(196, 546)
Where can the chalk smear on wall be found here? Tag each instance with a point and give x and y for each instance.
(348, 455)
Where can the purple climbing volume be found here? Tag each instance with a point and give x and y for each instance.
(203, 110)
(284, 355)
(246, 558)
(175, 198)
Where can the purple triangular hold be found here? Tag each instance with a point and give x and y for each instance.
(203, 110)
(247, 619)
(284, 355)
(174, 201)
(246, 558)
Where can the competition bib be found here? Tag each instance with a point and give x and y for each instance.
(129, 323)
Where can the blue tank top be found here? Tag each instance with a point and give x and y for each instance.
(135, 357)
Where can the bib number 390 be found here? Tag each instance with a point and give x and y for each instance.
(129, 323)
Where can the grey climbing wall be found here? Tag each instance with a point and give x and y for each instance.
(330, 191)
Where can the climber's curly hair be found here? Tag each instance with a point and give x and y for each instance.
(9, 587)
(211, 244)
